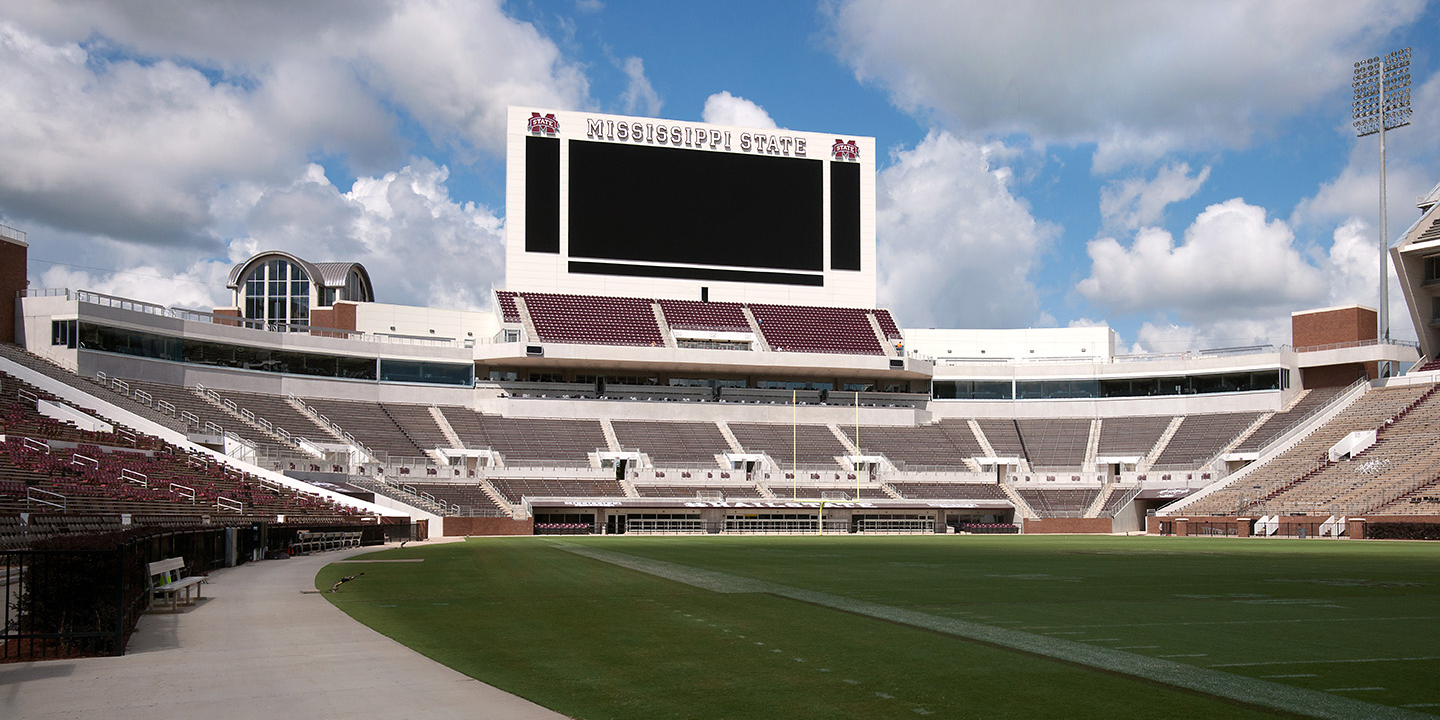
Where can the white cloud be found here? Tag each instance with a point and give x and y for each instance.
(639, 96)
(129, 122)
(200, 286)
(1235, 280)
(722, 108)
(589, 6)
(1137, 77)
(956, 246)
(1131, 204)
(420, 246)
(1352, 272)
(1232, 265)
(456, 65)
(1168, 338)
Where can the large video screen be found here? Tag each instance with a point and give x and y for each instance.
(693, 207)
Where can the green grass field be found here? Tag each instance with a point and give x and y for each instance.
(967, 627)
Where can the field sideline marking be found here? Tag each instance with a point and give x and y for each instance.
(1248, 690)
(1319, 662)
(1239, 622)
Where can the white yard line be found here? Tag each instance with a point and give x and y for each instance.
(1248, 690)
(1240, 622)
(1327, 662)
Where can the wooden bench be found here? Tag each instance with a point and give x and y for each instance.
(167, 578)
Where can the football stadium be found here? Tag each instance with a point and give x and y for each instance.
(685, 466)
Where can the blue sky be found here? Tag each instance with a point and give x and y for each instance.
(1182, 171)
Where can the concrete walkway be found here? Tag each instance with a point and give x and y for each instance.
(256, 647)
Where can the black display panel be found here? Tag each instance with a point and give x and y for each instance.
(695, 207)
(844, 216)
(542, 194)
(696, 273)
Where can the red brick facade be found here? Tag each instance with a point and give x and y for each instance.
(13, 262)
(465, 526)
(1332, 327)
(1337, 326)
(1050, 526)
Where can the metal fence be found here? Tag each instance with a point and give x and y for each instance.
(80, 601)
(83, 602)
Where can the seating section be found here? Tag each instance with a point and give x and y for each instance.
(1303, 480)
(187, 404)
(470, 499)
(20, 417)
(810, 446)
(677, 444)
(151, 477)
(939, 446)
(1201, 437)
(1423, 500)
(695, 315)
(887, 324)
(1055, 443)
(1118, 499)
(418, 425)
(794, 328)
(949, 491)
(593, 319)
(603, 320)
(1430, 365)
(540, 442)
(1003, 436)
(1310, 402)
(516, 489)
(145, 408)
(279, 412)
(1130, 436)
(508, 311)
(369, 423)
(746, 491)
(1058, 503)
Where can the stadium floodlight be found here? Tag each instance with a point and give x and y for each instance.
(1382, 102)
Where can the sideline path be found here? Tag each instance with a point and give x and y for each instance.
(256, 647)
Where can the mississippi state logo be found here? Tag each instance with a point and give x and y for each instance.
(845, 150)
(547, 124)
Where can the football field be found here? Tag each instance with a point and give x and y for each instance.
(943, 626)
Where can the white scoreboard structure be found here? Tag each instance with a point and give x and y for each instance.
(642, 207)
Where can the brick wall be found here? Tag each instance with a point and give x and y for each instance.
(1329, 327)
(1049, 526)
(12, 280)
(464, 526)
(1336, 375)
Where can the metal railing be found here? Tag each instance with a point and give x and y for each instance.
(1357, 344)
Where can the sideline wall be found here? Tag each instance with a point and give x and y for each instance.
(1051, 526)
(467, 526)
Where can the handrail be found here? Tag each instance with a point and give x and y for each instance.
(31, 492)
(1357, 344)
(224, 503)
(183, 491)
(11, 233)
(1285, 435)
(135, 476)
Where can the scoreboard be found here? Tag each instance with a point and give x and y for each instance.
(613, 205)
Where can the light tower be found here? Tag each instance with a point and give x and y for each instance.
(1382, 102)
